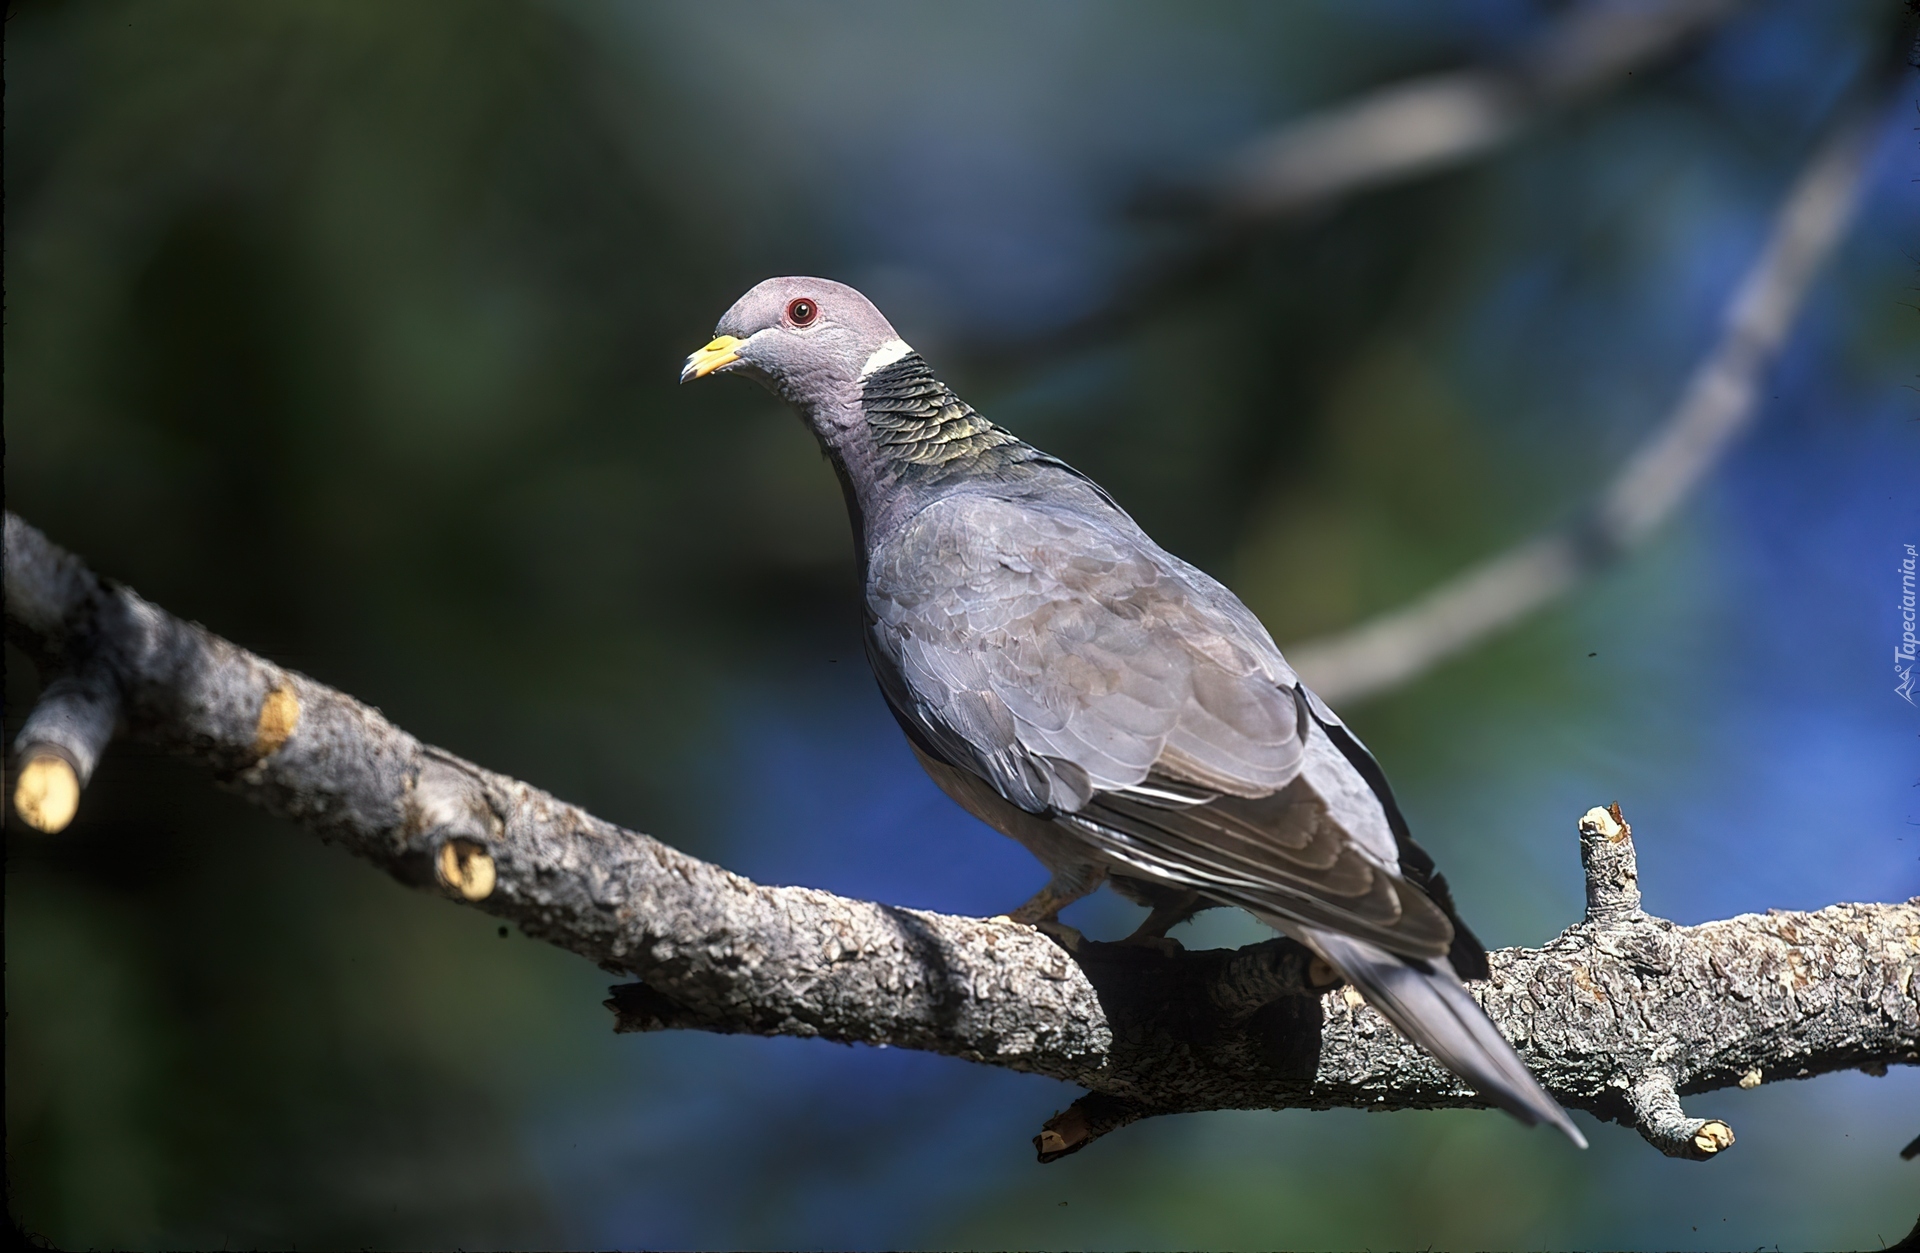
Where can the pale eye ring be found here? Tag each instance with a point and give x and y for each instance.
(802, 312)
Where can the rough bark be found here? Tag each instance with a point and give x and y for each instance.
(1619, 1015)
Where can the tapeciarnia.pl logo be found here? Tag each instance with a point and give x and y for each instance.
(1903, 652)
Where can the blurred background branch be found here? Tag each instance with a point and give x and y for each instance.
(1420, 125)
(1716, 406)
(1304, 168)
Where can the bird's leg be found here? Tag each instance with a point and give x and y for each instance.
(1168, 912)
(1069, 884)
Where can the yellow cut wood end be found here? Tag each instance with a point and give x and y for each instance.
(279, 715)
(1597, 821)
(46, 794)
(466, 868)
(1713, 1137)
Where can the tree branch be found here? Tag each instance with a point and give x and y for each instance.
(1714, 409)
(1618, 1015)
(1425, 124)
(1304, 167)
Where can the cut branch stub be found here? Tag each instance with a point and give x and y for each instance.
(279, 719)
(1613, 907)
(457, 824)
(1613, 872)
(1659, 1118)
(465, 867)
(1083, 1122)
(60, 745)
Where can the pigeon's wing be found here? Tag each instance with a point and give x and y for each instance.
(1091, 678)
(1467, 955)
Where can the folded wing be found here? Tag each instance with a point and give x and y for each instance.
(1092, 678)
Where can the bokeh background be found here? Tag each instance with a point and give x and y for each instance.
(351, 331)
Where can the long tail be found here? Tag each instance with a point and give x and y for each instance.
(1434, 1009)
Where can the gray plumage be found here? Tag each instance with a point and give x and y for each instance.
(1114, 709)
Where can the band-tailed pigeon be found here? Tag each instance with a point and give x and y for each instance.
(1109, 706)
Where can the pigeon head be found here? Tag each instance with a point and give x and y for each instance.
(810, 339)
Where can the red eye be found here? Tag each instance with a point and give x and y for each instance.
(802, 311)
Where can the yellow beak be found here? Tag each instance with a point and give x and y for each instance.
(721, 352)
